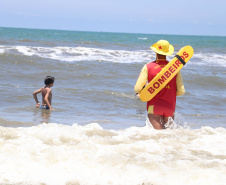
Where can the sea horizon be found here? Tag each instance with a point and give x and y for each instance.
(55, 29)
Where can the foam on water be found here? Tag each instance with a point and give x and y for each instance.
(61, 154)
(76, 54)
(210, 59)
(2, 51)
(143, 38)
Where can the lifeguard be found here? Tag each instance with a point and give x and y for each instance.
(162, 106)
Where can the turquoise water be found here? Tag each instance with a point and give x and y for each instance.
(130, 39)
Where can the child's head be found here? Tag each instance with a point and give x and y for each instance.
(48, 80)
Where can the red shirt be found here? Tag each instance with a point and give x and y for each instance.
(167, 96)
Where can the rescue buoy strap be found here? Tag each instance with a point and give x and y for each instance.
(181, 59)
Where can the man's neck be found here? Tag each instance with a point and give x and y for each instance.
(160, 57)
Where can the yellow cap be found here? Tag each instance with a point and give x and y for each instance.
(163, 47)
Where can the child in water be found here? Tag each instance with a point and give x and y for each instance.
(46, 94)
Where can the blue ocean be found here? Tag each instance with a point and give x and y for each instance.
(98, 132)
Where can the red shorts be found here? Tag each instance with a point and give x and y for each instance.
(161, 110)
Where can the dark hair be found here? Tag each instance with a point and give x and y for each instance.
(48, 80)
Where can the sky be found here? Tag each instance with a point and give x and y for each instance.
(177, 17)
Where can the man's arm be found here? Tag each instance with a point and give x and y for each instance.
(35, 96)
(180, 85)
(142, 79)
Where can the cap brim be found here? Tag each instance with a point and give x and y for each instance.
(170, 52)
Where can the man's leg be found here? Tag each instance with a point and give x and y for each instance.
(156, 121)
(166, 119)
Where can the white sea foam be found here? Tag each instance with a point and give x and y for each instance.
(210, 59)
(70, 54)
(77, 54)
(142, 38)
(61, 154)
(2, 51)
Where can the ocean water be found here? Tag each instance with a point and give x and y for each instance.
(98, 132)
